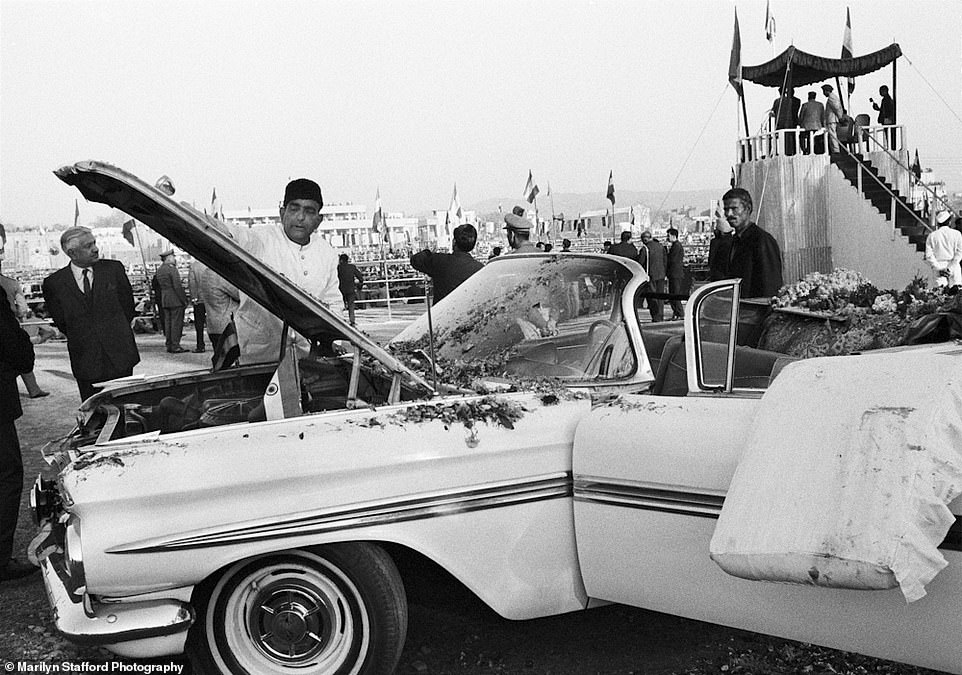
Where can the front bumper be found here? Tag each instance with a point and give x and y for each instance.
(138, 629)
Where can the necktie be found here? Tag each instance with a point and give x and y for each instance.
(86, 284)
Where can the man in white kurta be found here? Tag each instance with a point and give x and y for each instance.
(296, 251)
(943, 251)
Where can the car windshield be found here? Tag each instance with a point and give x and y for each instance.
(533, 316)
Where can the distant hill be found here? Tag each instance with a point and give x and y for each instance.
(574, 203)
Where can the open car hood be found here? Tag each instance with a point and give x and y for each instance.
(193, 232)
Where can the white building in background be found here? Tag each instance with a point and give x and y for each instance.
(344, 226)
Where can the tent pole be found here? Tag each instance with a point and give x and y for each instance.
(745, 117)
(841, 99)
(895, 117)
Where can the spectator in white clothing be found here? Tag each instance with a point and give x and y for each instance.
(943, 251)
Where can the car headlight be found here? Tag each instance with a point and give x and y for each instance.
(73, 554)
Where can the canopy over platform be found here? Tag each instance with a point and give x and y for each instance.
(807, 68)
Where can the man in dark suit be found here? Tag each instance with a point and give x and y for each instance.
(624, 248)
(755, 257)
(16, 357)
(676, 273)
(91, 302)
(449, 270)
(349, 282)
(657, 266)
(173, 300)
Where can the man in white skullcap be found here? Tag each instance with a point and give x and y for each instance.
(943, 251)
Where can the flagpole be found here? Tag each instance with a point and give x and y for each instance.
(551, 197)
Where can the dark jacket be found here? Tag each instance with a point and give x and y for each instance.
(447, 270)
(348, 279)
(16, 357)
(99, 339)
(718, 251)
(625, 249)
(657, 260)
(171, 288)
(886, 111)
(757, 261)
(676, 261)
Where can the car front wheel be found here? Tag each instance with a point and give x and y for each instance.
(334, 609)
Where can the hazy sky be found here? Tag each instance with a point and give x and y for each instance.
(412, 96)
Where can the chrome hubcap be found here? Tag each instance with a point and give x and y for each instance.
(290, 624)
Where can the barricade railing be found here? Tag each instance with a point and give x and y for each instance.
(788, 142)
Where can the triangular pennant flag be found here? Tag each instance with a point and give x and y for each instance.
(76, 212)
(735, 64)
(214, 204)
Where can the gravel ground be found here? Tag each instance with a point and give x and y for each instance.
(456, 634)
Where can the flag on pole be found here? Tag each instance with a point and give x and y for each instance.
(735, 64)
(214, 205)
(917, 166)
(128, 231)
(847, 46)
(76, 212)
(611, 188)
(530, 189)
(769, 24)
(3, 236)
(454, 211)
(548, 193)
(378, 221)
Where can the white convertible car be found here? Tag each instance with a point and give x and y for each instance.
(536, 441)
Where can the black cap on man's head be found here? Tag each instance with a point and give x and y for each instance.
(303, 188)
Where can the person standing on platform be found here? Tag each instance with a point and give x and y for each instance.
(450, 270)
(173, 300)
(833, 114)
(200, 309)
(676, 273)
(886, 111)
(755, 257)
(811, 118)
(624, 248)
(943, 251)
(785, 111)
(657, 274)
(16, 357)
(349, 282)
(91, 302)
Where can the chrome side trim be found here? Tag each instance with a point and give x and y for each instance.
(366, 515)
(649, 496)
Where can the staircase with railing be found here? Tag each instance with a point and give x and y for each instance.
(884, 197)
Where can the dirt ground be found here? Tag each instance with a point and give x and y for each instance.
(456, 634)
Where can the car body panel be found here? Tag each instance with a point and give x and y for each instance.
(418, 483)
(643, 529)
